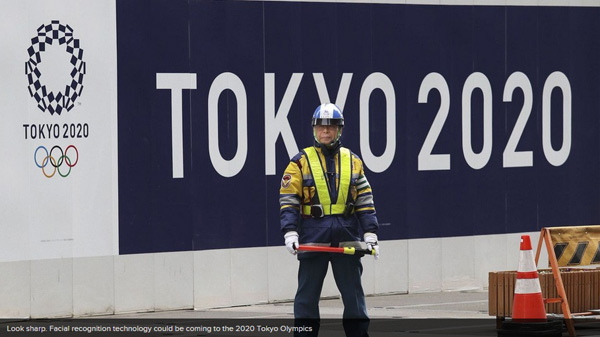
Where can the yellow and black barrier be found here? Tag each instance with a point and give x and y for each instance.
(576, 246)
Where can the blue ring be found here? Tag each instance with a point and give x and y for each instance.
(35, 156)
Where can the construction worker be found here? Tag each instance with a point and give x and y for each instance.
(326, 200)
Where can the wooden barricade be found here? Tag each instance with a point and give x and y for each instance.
(567, 290)
(582, 287)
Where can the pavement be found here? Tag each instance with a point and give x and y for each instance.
(457, 313)
(453, 313)
(458, 304)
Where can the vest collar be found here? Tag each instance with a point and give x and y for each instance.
(329, 152)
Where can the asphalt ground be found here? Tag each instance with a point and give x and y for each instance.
(459, 313)
(459, 304)
(455, 313)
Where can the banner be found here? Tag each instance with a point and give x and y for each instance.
(470, 120)
(144, 126)
(58, 131)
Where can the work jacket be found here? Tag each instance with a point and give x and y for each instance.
(299, 192)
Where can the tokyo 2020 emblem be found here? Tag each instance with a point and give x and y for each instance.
(55, 102)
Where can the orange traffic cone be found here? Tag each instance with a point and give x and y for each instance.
(528, 304)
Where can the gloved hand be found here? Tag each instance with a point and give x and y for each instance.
(371, 241)
(291, 241)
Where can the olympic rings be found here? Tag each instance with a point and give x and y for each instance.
(49, 158)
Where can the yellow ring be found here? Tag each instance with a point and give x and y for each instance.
(44, 165)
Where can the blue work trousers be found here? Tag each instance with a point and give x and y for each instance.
(347, 272)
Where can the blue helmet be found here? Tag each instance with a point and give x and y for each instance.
(328, 114)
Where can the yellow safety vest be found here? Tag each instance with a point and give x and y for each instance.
(321, 183)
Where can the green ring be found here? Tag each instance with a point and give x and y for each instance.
(68, 161)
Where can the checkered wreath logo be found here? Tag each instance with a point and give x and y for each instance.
(50, 101)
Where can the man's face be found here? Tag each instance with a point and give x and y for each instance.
(326, 134)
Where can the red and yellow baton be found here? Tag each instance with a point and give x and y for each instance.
(339, 250)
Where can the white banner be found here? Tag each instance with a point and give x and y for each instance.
(58, 135)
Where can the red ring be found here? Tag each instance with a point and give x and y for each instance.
(75, 163)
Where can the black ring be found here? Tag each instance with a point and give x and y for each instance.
(61, 156)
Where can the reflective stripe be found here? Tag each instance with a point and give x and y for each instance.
(526, 261)
(362, 183)
(365, 199)
(345, 177)
(528, 286)
(321, 184)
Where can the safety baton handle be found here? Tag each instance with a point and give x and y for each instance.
(339, 250)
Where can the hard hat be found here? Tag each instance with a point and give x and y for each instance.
(328, 114)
